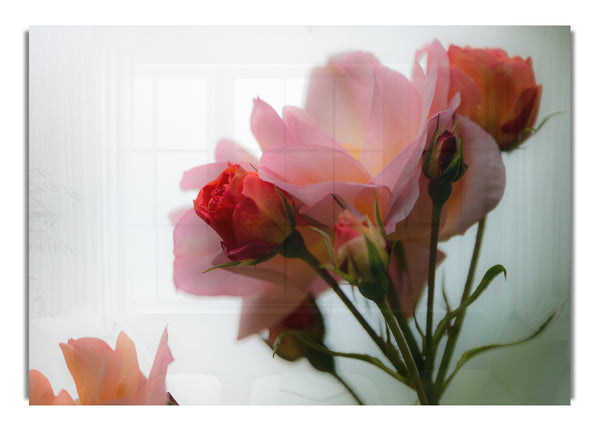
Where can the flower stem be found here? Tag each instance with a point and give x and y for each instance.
(294, 247)
(410, 363)
(348, 388)
(456, 327)
(428, 350)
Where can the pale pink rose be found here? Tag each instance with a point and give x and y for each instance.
(364, 129)
(106, 376)
(271, 290)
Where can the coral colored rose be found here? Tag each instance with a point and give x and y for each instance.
(350, 244)
(498, 92)
(248, 213)
(106, 376)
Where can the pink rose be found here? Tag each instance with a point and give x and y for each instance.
(106, 376)
(498, 92)
(364, 130)
(247, 213)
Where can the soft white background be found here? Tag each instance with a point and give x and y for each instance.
(116, 116)
(461, 12)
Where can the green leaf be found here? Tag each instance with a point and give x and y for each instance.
(320, 347)
(328, 244)
(485, 282)
(242, 262)
(338, 201)
(378, 216)
(470, 354)
(289, 209)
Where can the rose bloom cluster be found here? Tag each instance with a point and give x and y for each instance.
(351, 163)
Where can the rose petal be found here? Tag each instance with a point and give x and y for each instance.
(154, 391)
(229, 151)
(409, 277)
(41, 393)
(268, 128)
(304, 165)
(95, 368)
(195, 247)
(395, 119)
(131, 381)
(481, 188)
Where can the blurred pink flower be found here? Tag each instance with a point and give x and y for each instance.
(106, 376)
(364, 129)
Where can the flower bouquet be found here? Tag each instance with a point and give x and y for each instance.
(357, 189)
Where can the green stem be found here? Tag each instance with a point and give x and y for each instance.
(294, 247)
(399, 315)
(428, 351)
(410, 363)
(348, 388)
(456, 327)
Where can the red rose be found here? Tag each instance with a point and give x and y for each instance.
(248, 213)
(498, 92)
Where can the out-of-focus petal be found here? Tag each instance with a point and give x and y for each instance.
(433, 83)
(41, 393)
(395, 119)
(304, 133)
(154, 391)
(198, 177)
(268, 128)
(195, 246)
(229, 151)
(304, 165)
(95, 368)
(481, 188)
(131, 380)
(409, 272)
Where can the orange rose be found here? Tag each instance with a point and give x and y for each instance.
(498, 92)
(106, 376)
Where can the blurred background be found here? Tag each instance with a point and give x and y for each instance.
(117, 114)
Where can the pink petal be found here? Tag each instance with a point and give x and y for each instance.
(272, 305)
(481, 188)
(331, 101)
(198, 177)
(304, 165)
(302, 132)
(154, 391)
(268, 128)
(41, 393)
(360, 68)
(229, 151)
(433, 85)
(395, 119)
(411, 282)
(195, 246)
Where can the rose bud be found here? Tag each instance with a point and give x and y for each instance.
(306, 318)
(443, 162)
(498, 92)
(249, 214)
(361, 253)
